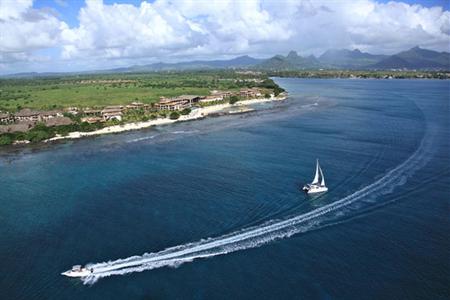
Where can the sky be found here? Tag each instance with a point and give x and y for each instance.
(79, 35)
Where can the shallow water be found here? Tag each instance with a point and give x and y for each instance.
(123, 195)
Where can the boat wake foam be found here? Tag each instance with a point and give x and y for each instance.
(142, 139)
(184, 131)
(276, 229)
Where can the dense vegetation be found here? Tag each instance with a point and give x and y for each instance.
(271, 85)
(234, 99)
(174, 115)
(41, 132)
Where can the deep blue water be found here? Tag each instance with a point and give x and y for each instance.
(117, 196)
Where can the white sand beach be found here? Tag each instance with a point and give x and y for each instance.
(197, 113)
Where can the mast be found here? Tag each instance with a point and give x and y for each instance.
(316, 177)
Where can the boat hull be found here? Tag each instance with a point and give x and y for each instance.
(314, 189)
(82, 273)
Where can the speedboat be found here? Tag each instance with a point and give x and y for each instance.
(78, 271)
(318, 184)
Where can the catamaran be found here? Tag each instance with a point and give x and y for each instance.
(318, 184)
(78, 271)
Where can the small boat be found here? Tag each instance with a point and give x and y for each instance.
(318, 184)
(78, 271)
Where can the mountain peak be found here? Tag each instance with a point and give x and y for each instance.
(416, 58)
(292, 54)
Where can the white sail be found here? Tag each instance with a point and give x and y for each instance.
(322, 183)
(316, 177)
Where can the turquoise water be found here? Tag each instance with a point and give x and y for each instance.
(380, 232)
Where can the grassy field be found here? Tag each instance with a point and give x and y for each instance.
(113, 89)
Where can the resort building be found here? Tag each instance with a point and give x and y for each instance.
(212, 98)
(92, 112)
(92, 120)
(36, 116)
(58, 121)
(26, 119)
(117, 115)
(72, 110)
(191, 98)
(171, 104)
(136, 105)
(112, 113)
(6, 118)
(46, 115)
(250, 93)
(187, 101)
(27, 115)
(20, 127)
(223, 94)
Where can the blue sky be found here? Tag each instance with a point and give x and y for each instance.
(426, 3)
(69, 9)
(74, 35)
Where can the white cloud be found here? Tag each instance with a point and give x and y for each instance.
(24, 30)
(365, 24)
(153, 29)
(10, 9)
(395, 26)
(174, 30)
(125, 31)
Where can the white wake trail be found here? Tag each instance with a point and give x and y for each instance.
(142, 139)
(272, 230)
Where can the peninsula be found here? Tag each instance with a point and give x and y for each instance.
(54, 108)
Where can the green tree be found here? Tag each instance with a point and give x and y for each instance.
(186, 111)
(174, 115)
(38, 135)
(277, 91)
(5, 139)
(234, 99)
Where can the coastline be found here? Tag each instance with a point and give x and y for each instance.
(196, 114)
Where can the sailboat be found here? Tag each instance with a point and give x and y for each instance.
(318, 184)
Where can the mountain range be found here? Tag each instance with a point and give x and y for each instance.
(413, 59)
(238, 62)
(416, 58)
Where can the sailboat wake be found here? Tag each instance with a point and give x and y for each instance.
(276, 229)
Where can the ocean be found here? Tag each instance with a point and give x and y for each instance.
(213, 209)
